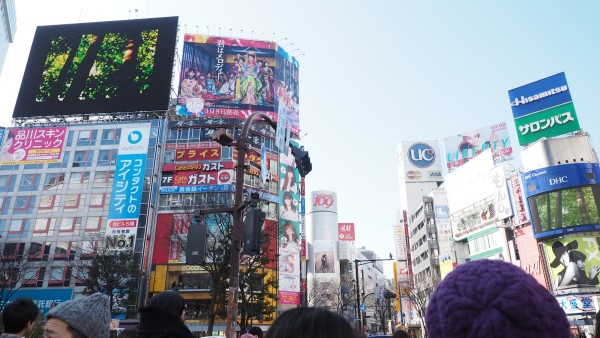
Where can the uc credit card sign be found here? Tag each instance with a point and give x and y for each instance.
(127, 187)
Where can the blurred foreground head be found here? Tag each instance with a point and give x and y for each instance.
(491, 298)
(311, 322)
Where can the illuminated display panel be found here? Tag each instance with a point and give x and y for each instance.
(101, 67)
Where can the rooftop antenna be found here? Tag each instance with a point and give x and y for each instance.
(185, 27)
(197, 29)
(279, 40)
(219, 31)
(251, 35)
(207, 30)
(80, 13)
(241, 33)
(136, 13)
(230, 33)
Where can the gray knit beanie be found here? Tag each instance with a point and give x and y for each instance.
(90, 315)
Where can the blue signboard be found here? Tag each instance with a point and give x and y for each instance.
(539, 95)
(196, 188)
(559, 177)
(46, 298)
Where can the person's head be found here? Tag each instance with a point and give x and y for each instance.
(256, 332)
(314, 322)
(259, 63)
(400, 334)
(128, 333)
(289, 231)
(578, 257)
(10, 138)
(288, 201)
(170, 302)
(266, 63)
(490, 298)
(561, 252)
(209, 75)
(289, 175)
(190, 74)
(19, 316)
(82, 317)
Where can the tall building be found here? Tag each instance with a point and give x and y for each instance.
(95, 162)
(8, 28)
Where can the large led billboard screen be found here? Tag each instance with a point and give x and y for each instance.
(225, 77)
(100, 67)
(563, 198)
(543, 108)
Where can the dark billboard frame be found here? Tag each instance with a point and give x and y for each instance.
(141, 81)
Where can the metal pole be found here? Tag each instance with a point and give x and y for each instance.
(238, 225)
(358, 310)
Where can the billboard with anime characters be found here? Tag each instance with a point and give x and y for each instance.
(573, 261)
(233, 78)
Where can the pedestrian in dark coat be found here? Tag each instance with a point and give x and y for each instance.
(162, 317)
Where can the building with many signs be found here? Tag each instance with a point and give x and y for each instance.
(108, 162)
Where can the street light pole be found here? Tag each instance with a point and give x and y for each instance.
(362, 262)
(238, 223)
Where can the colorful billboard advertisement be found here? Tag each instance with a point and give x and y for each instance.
(198, 154)
(100, 67)
(126, 197)
(462, 147)
(45, 299)
(346, 231)
(420, 161)
(221, 76)
(517, 200)
(573, 261)
(32, 145)
(563, 198)
(543, 109)
(324, 258)
(289, 231)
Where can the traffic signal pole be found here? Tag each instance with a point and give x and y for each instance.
(238, 224)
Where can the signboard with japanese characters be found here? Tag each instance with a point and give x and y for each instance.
(198, 154)
(45, 299)
(543, 108)
(32, 145)
(125, 201)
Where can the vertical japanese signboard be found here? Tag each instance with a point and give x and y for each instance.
(127, 188)
(32, 145)
(346, 231)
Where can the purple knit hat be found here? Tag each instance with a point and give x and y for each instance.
(491, 298)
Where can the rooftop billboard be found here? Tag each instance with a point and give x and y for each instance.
(225, 77)
(100, 67)
(420, 161)
(543, 108)
(460, 148)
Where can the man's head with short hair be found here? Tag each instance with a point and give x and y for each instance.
(256, 331)
(19, 316)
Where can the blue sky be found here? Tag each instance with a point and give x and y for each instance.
(374, 73)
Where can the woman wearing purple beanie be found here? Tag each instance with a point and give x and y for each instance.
(493, 299)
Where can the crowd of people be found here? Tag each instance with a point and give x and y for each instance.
(483, 298)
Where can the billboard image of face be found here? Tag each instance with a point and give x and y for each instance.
(462, 147)
(102, 67)
(32, 145)
(573, 261)
(224, 77)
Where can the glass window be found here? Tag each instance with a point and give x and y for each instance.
(5, 182)
(16, 226)
(57, 274)
(103, 179)
(74, 200)
(97, 200)
(44, 227)
(54, 181)
(83, 158)
(22, 202)
(84, 135)
(93, 224)
(28, 182)
(30, 275)
(62, 248)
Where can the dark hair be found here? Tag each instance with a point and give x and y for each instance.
(288, 182)
(288, 224)
(288, 195)
(18, 313)
(257, 331)
(311, 322)
(168, 301)
(128, 333)
(575, 256)
(401, 334)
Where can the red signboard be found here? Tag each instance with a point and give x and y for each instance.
(521, 216)
(186, 178)
(200, 154)
(209, 166)
(346, 231)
